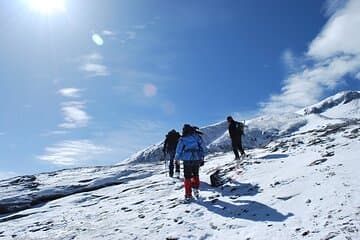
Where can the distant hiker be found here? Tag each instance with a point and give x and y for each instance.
(191, 150)
(236, 130)
(170, 144)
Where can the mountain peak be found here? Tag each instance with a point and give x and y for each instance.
(331, 103)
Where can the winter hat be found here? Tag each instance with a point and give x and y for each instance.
(187, 130)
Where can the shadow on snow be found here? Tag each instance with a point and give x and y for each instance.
(274, 156)
(245, 209)
(237, 189)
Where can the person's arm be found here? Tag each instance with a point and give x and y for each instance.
(232, 130)
(165, 145)
(179, 150)
(202, 148)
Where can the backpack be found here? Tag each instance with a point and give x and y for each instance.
(239, 127)
(172, 139)
(217, 179)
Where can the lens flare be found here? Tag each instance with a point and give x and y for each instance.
(47, 7)
(97, 39)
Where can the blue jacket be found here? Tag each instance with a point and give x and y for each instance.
(190, 147)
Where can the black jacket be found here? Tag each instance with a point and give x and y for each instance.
(234, 131)
(171, 141)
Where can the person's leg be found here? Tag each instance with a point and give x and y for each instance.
(177, 168)
(235, 149)
(195, 173)
(241, 147)
(171, 165)
(187, 179)
(195, 178)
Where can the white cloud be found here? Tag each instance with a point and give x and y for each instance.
(70, 92)
(331, 6)
(340, 34)
(53, 133)
(74, 115)
(95, 69)
(108, 33)
(130, 35)
(140, 26)
(92, 64)
(73, 152)
(150, 90)
(288, 58)
(332, 55)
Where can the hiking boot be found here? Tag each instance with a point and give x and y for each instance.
(188, 199)
(177, 175)
(196, 192)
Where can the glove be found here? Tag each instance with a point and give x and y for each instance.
(202, 162)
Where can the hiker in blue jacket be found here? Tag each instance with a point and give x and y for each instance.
(191, 150)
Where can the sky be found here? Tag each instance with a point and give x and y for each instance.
(91, 82)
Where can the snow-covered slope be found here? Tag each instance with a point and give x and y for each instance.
(264, 129)
(342, 105)
(302, 183)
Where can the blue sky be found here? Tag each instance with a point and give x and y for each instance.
(91, 82)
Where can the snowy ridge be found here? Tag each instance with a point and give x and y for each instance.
(301, 183)
(264, 129)
(348, 100)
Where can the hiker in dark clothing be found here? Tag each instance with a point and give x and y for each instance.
(236, 130)
(170, 144)
(191, 150)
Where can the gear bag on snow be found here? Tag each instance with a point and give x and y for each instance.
(217, 179)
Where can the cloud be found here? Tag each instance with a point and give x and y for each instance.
(72, 152)
(53, 133)
(108, 33)
(150, 90)
(339, 35)
(74, 115)
(288, 59)
(140, 26)
(70, 92)
(95, 69)
(92, 65)
(130, 35)
(331, 6)
(332, 55)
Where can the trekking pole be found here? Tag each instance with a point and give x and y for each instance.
(166, 170)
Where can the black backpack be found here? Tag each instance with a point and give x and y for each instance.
(239, 127)
(172, 139)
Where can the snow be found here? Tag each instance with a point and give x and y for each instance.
(300, 183)
(342, 105)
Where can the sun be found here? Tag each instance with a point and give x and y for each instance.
(47, 7)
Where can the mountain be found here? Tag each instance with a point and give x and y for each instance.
(264, 129)
(300, 182)
(338, 106)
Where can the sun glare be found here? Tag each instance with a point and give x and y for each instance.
(47, 7)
